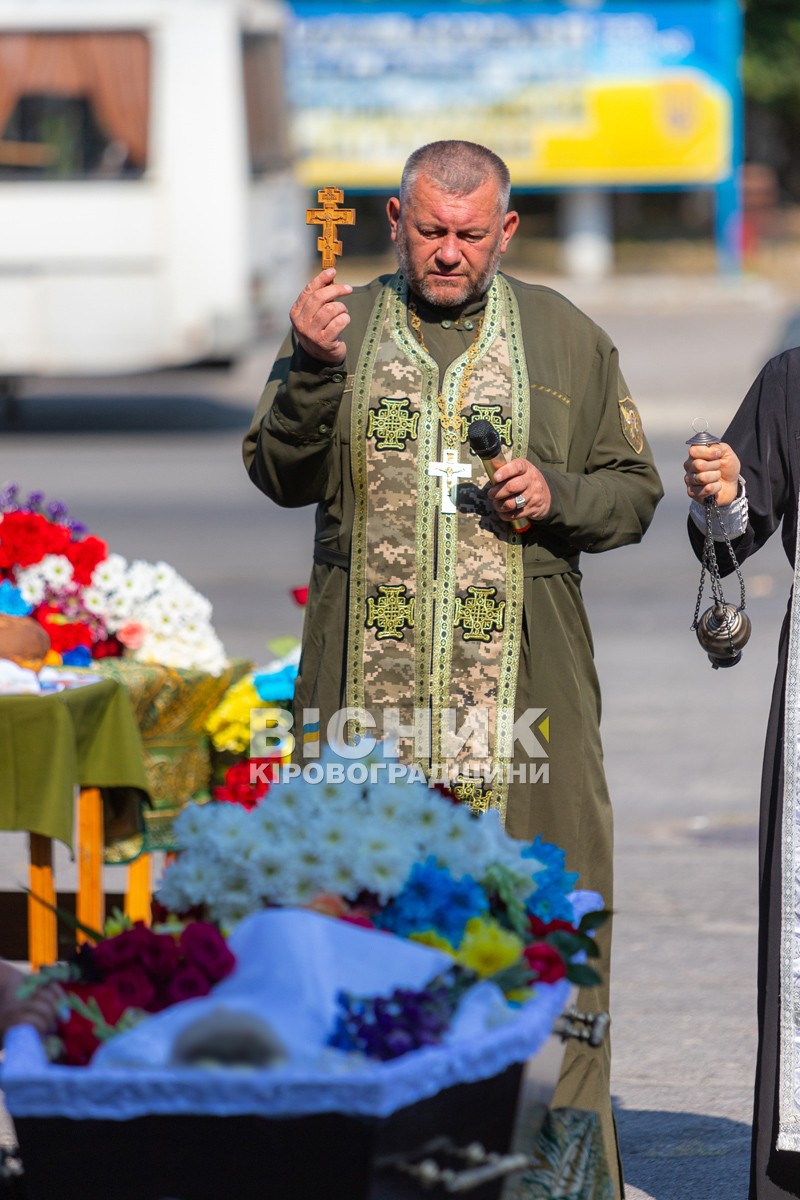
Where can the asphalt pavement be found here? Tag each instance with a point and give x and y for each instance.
(153, 465)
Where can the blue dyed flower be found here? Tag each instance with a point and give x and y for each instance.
(551, 903)
(433, 899)
(276, 685)
(11, 602)
(553, 882)
(79, 657)
(547, 853)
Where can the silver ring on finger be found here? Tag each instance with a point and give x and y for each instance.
(520, 500)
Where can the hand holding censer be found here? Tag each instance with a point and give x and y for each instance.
(723, 629)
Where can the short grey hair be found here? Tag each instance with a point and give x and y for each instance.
(456, 167)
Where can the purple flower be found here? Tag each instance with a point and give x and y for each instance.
(57, 511)
(34, 501)
(8, 497)
(386, 1027)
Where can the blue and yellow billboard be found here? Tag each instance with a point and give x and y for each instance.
(593, 93)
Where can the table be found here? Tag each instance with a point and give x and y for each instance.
(52, 747)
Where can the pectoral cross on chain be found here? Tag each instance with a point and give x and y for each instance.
(450, 470)
(329, 216)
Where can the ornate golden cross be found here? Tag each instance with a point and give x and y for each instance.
(329, 216)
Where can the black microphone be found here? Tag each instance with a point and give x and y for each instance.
(484, 442)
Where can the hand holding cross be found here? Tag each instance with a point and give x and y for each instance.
(318, 316)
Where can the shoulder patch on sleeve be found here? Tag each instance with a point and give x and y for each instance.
(631, 424)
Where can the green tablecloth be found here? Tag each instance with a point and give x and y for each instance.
(51, 744)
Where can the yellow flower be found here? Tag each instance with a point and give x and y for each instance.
(429, 937)
(487, 948)
(229, 723)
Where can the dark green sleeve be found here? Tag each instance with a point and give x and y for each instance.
(288, 447)
(608, 493)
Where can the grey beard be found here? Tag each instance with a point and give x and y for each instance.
(420, 286)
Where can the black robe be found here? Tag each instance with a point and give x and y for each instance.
(765, 435)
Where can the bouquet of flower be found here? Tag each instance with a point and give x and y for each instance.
(95, 604)
(111, 986)
(397, 857)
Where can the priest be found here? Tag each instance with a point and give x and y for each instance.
(754, 476)
(430, 616)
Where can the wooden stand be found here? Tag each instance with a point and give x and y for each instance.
(90, 906)
(42, 938)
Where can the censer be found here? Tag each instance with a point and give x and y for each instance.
(723, 629)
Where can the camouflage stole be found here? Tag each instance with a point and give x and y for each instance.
(435, 605)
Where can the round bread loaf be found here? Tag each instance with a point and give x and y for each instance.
(24, 641)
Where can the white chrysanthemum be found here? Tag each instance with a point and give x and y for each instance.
(332, 832)
(383, 873)
(344, 876)
(31, 584)
(231, 829)
(305, 885)
(163, 576)
(94, 601)
(194, 824)
(171, 892)
(160, 619)
(137, 581)
(109, 574)
(272, 872)
(389, 803)
(57, 572)
(430, 815)
(464, 854)
(190, 879)
(296, 801)
(267, 821)
(207, 654)
(120, 608)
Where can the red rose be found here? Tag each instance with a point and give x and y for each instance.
(540, 928)
(76, 1032)
(159, 955)
(300, 595)
(134, 986)
(78, 1040)
(204, 947)
(185, 984)
(545, 962)
(85, 556)
(116, 953)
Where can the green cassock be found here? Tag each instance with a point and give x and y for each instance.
(580, 427)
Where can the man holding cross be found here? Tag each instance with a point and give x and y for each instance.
(427, 613)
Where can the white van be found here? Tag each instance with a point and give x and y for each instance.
(148, 212)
